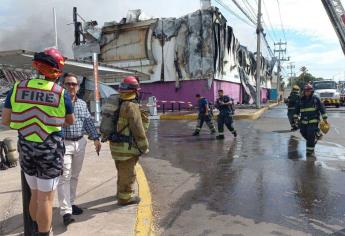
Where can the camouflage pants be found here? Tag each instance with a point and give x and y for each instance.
(43, 160)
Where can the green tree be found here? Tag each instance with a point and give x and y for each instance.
(304, 78)
(304, 70)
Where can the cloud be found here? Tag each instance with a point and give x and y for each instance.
(311, 38)
(304, 17)
(28, 24)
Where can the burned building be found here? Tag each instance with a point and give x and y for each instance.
(196, 53)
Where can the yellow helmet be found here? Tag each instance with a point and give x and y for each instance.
(295, 88)
(324, 127)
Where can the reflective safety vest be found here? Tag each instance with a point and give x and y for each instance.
(293, 99)
(38, 109)
(310, 109)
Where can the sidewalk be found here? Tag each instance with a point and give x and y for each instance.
(240, 114)
(96, 195)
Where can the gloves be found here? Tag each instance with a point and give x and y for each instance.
(98, 146)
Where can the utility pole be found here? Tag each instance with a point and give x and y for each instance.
(291, 66)
(281, 57)
(258, 57)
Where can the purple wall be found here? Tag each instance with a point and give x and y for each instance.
(264, 95)
(231, 89)
(166, 91)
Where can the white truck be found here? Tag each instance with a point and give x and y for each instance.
(328, 92)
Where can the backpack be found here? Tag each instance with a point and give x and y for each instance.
(110, 114)
(8, 154)
(110, 111)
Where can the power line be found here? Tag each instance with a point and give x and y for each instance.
(281, 20)
(220, 2)
(245, 21)
(269, 21)
(268, 46)
(268, 33)
(250, 9)
(250, 6)
(244, 12)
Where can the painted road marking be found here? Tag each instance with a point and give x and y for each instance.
(144, 220)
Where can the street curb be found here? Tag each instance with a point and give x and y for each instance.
(144, 218)
(246, 116)
(193, 116)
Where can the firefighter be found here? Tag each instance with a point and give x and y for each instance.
(205, 115)
(291, 102)
(38, 108)
(131, 141)
(225, 105)
(309, 110)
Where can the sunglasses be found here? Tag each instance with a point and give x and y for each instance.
(71, 84)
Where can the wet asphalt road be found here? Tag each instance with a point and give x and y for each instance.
(260, 183)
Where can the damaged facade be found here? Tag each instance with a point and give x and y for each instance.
(197, 53)
(9, 76)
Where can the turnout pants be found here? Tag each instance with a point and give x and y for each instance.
(73, 162)
(202, 118)
(309, 132)
(125, 178)
(225, 120)
(290, 115)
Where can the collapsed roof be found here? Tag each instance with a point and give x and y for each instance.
(17, 63)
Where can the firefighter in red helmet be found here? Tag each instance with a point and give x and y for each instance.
(131, 140)
(49, 63)
(308, 113)
(38, 108)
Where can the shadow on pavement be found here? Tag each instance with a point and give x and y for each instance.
(91, 208)
(14, 224)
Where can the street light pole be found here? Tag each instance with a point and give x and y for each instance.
(97, 97)
(258, 57)
(55, 29)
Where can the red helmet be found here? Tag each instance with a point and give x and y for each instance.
(129, 84)
(50, 63)
(308, 87)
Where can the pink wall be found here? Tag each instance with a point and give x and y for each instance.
(231, 89)
(264, 94)
(166, 91)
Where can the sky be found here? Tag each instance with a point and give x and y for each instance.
(311, 39)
